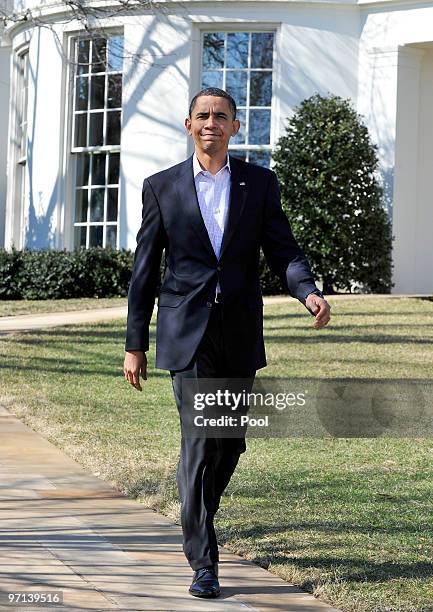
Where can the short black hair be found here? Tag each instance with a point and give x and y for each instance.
(218, 93)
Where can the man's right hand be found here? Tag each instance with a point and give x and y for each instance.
(135, 364)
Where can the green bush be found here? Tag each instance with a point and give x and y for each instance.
(45, 275)
(10, 270)
(331, 191)
(270, 283)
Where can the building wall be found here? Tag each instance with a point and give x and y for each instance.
(44, 152)
(395, 96)
(377, 56)
(161, 73)
(4, 122)
(45, 142)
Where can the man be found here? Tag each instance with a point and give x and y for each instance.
(211, 214)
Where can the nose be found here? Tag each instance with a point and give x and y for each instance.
(210, 121)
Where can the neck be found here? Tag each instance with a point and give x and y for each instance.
(212, 163)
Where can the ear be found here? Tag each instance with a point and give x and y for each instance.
(188, 125)
(236, 126)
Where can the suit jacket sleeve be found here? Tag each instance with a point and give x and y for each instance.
(145, 272)
(283, 254)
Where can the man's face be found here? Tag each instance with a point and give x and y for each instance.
(211, 124)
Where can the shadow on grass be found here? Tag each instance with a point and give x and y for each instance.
(337, 313)
(331, 338)
(113, 368)
(69, 341)
(356, 569)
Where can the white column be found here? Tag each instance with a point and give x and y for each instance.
(406, 201)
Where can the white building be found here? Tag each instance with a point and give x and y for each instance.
(77, 140)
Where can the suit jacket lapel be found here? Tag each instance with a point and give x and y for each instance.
(238, 196)
(188, 197)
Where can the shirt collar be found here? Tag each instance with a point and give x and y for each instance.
(197, 168)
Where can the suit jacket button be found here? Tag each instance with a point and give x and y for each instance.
(209, 304)
(219, 268)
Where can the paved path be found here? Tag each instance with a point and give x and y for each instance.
(64, 529)
(54, 319)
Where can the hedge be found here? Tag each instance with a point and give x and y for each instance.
(93, 272)
(51, 275)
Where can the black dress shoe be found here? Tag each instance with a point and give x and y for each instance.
(205, 582)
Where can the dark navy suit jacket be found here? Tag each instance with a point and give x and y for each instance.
(172, 220)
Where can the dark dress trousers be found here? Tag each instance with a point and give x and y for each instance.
(196, 337)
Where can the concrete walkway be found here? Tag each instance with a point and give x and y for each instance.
(63, 529)
(56, 319)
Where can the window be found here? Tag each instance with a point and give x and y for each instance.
(96, 133)
(241, 63)
(22, 89)
(22, 72)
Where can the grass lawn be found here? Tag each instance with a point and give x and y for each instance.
(348, 519)
(10, 308)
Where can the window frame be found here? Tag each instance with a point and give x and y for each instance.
(250, 27)
(20, 182)
(72, 152)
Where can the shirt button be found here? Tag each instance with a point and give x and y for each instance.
(209, 304)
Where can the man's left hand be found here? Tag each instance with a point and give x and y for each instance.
(320, 308)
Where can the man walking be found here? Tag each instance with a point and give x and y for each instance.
(211, 213)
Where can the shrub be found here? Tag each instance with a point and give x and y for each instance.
(330, 188)
(43, 275)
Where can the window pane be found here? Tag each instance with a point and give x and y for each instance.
(240, 136)
(81, 93)
(114, 99)
(81, 130)
(213, 50)
(83, 56)
(82, 169)
(111, 236)
(239, 154)
(212, 79)
(237, 49)
(95, 238)
(113, 127)
(81, 205)
(97, 205)
(80, 236)
(260, 127)
(98, 169)
(236, 86)
(113, 168)
(261, 88)
(115, 53)
(112, 205)
(96, 125)
(262, 49)
(261, 158)
(97, 91)
(99, 54)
